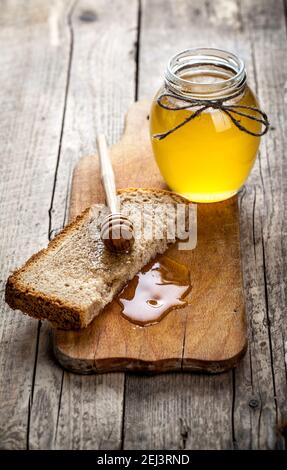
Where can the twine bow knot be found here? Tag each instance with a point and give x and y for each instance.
(230, 110)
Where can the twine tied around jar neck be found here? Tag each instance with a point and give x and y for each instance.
(230, 110)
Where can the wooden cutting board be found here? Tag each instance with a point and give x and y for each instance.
(209, 334)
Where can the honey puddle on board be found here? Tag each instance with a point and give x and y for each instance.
(156, 290)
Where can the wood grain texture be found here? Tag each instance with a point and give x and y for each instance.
(182, 410)
(33, 77)
(71, 412)
(260, 408)
(209, 333)
(41, 406)
(250, 410)
(188, 418)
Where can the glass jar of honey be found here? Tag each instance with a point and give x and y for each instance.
(205, 125)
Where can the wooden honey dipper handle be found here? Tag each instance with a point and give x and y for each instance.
(107, 174)
(117, 230)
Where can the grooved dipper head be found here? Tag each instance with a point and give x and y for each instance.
(117, 233)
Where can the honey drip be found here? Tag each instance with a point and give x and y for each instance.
(156, 290)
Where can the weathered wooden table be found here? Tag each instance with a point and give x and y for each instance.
(67, 69)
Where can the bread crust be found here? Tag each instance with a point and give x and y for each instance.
(177, 197)
(36, 304)
(61, 314)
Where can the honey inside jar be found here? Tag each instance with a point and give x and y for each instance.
(209, 158)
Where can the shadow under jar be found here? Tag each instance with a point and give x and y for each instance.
(207, 158)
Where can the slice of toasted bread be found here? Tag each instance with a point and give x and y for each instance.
(75, 277)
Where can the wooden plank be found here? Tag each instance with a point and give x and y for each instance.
(156, 410)
(260, 408)
(86, 412)
(178, 411)
(167, 413)
(32, 92)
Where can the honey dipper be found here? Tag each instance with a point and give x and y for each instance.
(117, 231)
